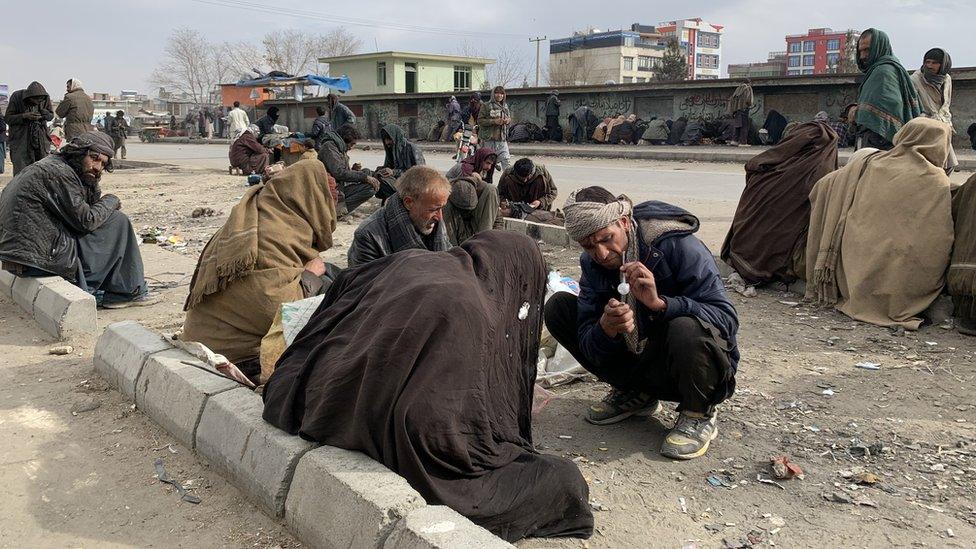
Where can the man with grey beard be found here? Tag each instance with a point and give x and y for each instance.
(54, 221)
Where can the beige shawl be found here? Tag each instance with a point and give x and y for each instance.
(255, 261)
(935, 104)
(881, 230)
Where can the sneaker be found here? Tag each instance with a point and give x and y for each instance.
(620, 405)
(150, 298)
(690, 436)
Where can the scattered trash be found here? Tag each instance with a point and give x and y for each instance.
(842, 497)
(868, 365)
(790, 303)
(739, 285)
(167, 447)
(828, 392)
(85, 405)
(597, 506)
(61, 350)
(203, 212)
(931, 343)
(162, 476)
(718, 481)
(769, 481)
(777, 522)
(950, 533)
(565, 437)
(783, 469)
(684, 505)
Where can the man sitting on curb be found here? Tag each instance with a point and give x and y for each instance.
(528, 183)
(669, 336)
(413, 218)
(355, 184)
(54, 221)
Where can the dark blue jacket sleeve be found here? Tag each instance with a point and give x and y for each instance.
(595, 344)
(701, 290)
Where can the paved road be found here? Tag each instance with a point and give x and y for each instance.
(709, 190)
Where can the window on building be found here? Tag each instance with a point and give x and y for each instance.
(807, 60)
(381, 74)
(706, 61)
(628, 63)
(462, 78)
(807, 71)
(628, 80)
(795, 61)
(833, 59)
(792, 73)
(708, 40)
(645, 63)
(833, 45)
(809, 46)
(795, 47)
(629, 41)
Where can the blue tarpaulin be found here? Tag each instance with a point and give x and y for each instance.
(340, 84)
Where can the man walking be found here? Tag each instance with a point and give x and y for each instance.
(77, 110)
(652, 319)
(552, 117)
(28, 113)
(493, 122)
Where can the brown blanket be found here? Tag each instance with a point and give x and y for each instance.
(962, 270)
(254, 263)
(881, 230)
(770, 224)
(420, 361)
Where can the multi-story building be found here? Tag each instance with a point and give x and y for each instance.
(600, 57)
(774, 66)
(702, 41)
(819, 51)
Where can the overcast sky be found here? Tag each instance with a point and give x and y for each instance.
(111, 45)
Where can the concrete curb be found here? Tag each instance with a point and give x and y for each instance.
(328, 496)
(60, 308)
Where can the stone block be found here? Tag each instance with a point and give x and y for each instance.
(440, 527)
(65, 310)
(6, 282)
(512, 224)
(24, 290)
(121, 353)
(255, 456)
(342, 499)
(174, 393)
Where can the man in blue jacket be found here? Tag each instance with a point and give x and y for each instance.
(652, 319)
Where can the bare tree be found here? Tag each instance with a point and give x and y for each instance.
(509, 69)
(297, 52)
(576, 70)
(190, 65)
(243, 59)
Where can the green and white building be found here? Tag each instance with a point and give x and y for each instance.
(405, 72)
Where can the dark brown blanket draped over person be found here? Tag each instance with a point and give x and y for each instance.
(962, 269)
(420, 361)
(254, 263)
(769, 230)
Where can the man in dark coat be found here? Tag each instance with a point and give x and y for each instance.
(413, 218)
(3, 142)
(555, 132)
(529, 183)
(267, 123)
(54, 221)
(401, 155)
(321, 125)
(119, 131)
(356, 185)
(77, 110)
(28, 113)
(652, 319)
(339, 113)
(583, 122)
(247, 154)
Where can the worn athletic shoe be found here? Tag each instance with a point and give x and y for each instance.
(620, 405)
(690, 436)
(150, 298)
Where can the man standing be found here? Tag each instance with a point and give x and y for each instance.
(739, 105)
(77, 110)
(552, 117)
(528, 183)
(54, 221)
(493, 121)
(28, 113)
(120, 130)
(411, 219)
(934, 87)
(887, 99)
(355, 185)
(339, 113)
(238, 121)
(453, 118)
(652, 319)
(583, 122)
(321, 125)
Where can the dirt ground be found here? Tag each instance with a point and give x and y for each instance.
(887, 453)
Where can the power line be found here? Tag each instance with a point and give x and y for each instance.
(351, 21)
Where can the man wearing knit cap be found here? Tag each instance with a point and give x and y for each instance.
(652, 319)
(54, 221)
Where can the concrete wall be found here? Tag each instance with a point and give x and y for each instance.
(797, 98)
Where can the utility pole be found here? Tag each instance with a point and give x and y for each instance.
(537, 41)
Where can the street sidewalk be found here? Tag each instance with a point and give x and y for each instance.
(676, 153)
